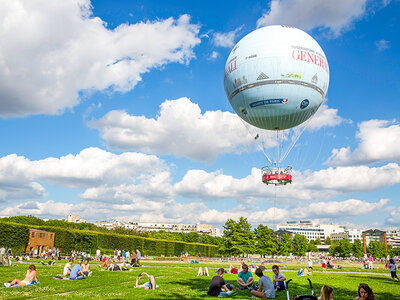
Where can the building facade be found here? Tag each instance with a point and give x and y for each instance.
(310, 230)
(393, 238)
(351, 235)
(75, 219)
(148, 227)
(39, 240)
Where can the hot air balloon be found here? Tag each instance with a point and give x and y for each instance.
(276, 78)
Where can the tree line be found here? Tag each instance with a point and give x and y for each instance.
(239, 238)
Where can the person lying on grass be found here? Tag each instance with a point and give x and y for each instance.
(266, 287)
(245, 278)
(76, 272)
(149, 285)
(217, 286)
(202, 272)
(116, 267)
(30, 275)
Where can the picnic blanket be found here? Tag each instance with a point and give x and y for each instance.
(61, 278)
(15, 285)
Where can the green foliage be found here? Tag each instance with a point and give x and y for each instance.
(300, 245)
(358, 248)
(284, 245)
(14, 236)
(318, 241)
(377, 249)
(238, 238)
(312, 247)
(328, 241)
(17, 236)
(266, 242)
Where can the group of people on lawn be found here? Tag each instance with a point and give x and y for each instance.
(80, 271)
(266, 287)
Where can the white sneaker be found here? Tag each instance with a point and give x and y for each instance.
(7, 284)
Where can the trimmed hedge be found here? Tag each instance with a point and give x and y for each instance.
(17, 236)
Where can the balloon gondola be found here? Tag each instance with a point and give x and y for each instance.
(276, 174)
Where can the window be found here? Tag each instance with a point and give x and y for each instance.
(33, 234)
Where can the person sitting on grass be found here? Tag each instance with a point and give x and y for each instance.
(265, 286)
(278, 278)
(217, 286)
(245, 278)
(202, 272)
(76, 272)
(149, 285)
(365, 292)
(86, 268)
(30, 276)
(326, 293)
(262, 267)
(104, 262)
(68, 267)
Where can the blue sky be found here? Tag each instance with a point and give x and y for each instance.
(116, 109)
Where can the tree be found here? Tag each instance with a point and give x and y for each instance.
(318, 241)
(238, 238)
(284, 245)
(312, 247)
(266, 243)
(328, 241)
(377, 249)
(358, 248)
(346, 248)
(300, 245)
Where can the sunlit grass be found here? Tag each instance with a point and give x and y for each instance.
(178, 280)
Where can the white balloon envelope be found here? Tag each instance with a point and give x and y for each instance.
(276, 77)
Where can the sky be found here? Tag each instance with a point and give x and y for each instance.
(116, 110)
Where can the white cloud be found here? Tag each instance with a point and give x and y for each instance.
(214, 55)
(226, 40)
(339, 209)
(336, 16)
(382, 45)
(394, 217)
(180, 129)
(92, 167)
(183, 130)
(378, 143)
(56, 49)
(325, 117)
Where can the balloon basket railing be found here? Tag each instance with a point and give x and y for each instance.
(276, 174)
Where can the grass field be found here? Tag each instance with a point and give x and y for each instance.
(178, 280)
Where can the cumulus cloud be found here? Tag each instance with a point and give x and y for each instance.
(394, 217)
(67, 50)
(335, 16)
(325, 117)
(183, 130)
(378, 143)
(226, 40)
(310, 186)
(92, 167)
(180, 129)
(339, 209)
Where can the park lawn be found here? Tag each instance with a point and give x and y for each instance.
(176, 281)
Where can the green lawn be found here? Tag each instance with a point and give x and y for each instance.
(177, 280)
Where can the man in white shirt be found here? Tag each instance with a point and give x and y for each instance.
(68, 267)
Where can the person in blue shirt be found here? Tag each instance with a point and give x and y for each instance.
(245, 278)
(76, 272)
(266, 287)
